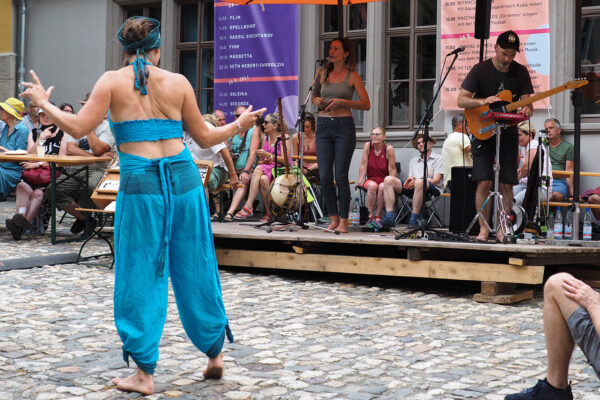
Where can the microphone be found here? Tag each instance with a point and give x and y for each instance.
(543, 131)
(456, 51)
(323, 61)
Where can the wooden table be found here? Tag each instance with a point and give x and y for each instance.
(56, 161)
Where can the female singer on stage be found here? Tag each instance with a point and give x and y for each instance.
(162, 222)
(336, 133)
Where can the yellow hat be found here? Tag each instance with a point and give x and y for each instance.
(14, 107)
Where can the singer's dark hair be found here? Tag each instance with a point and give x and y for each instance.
(350, 61)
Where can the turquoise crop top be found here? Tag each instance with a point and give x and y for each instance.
(146, 130)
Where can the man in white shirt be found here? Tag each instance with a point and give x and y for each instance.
(456, 151)
(71, 193)
(223, 168)
(413, 187)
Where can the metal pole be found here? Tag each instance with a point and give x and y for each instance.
(577, 100)
(22, 29)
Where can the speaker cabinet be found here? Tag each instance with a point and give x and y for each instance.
(483, 9)
(462, 200)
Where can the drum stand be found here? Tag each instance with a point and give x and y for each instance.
(500, 216)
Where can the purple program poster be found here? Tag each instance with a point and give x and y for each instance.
(256, 58)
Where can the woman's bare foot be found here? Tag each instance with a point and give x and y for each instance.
(343, 226)
(214, 369)
(483, 236)
(500, 237)
(140, 382)
(335, 221)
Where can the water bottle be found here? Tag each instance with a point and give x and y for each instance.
(568, 235)
(550, 232)
(558, 225)
(587, 225)
(355, 209)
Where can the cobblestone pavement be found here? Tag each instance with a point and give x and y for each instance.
(298, 336)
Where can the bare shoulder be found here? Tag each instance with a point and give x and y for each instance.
(355, 78)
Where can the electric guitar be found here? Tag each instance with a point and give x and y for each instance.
(482, 120)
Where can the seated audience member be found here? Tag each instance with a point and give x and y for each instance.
(593, 197)
(571, 317)
(243, 148)
(456, 151)
(13, 136)
(561, 156)
(413, 187)
(309, 169)
(378, 161)
(74, 193)
(30, 195)
(32, 119)
(527, 150)
(222, 163)
(262, 176)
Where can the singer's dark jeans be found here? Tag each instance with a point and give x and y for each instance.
(336, 140)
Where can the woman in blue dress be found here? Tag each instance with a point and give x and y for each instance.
(162, 222)
(13, 136)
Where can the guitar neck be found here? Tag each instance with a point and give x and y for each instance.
(533, 98)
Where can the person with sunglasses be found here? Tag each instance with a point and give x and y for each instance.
(243, 147)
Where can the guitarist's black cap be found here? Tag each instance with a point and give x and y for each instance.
(508, 40)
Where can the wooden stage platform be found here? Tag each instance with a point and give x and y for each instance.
(499, 267)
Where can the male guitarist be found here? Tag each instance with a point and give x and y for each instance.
(480, 87)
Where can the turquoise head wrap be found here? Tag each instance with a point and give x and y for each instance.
(140, 65)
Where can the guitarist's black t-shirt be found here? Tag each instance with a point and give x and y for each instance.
(485, 80)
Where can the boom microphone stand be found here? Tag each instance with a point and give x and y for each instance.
(425, 120)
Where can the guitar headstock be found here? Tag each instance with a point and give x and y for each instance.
(574, 84)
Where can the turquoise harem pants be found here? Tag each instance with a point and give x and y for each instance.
(162, 228)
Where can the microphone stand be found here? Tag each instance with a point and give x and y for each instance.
(425, 120)
(300, 129)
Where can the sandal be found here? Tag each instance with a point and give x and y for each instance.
(267, 218)
(228, 217)
(214, 217)
(244, 213)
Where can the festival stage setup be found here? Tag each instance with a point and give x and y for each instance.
(499, 267)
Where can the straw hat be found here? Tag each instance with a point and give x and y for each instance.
(14, 107)
(420, 135)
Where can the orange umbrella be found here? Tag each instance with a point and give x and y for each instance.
(339, 3)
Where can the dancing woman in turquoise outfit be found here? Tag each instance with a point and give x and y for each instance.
(162, 221)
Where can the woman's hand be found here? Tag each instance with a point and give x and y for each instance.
(47, 133)
(31, 165)
(248, 118)
(334, 103)
(35, 90)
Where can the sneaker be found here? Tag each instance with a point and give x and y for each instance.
(15, 231)
(374, 224)
(20, 221)
(413, 223)
(90, 227)
(388, 220)
(78, 226)
(542, 391)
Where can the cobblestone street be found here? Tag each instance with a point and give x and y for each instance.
(297, 336)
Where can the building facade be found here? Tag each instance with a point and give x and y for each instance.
(397, 46)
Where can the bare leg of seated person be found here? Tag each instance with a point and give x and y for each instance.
(140, 382)
(595, 199)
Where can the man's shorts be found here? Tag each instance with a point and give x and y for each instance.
(560, 185)
(484, 152)
(218, 176)
(431, 191)
(585, 336)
